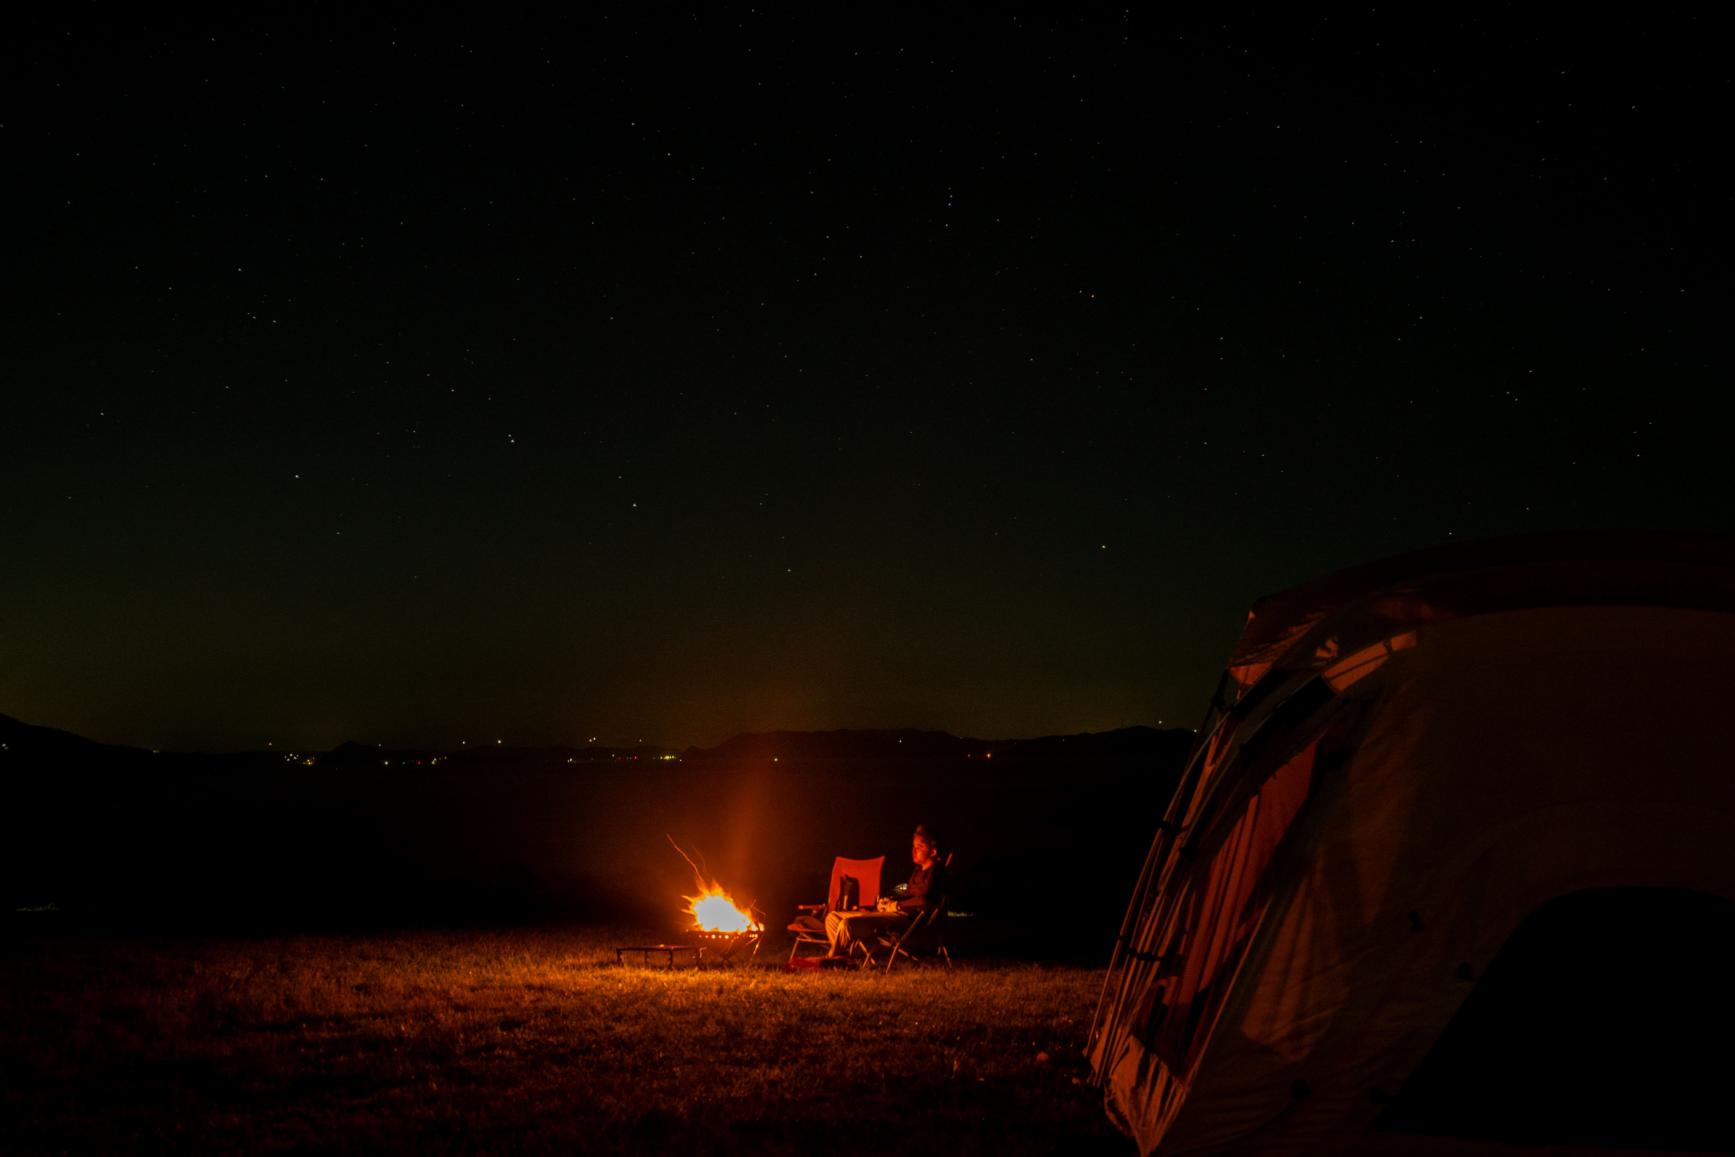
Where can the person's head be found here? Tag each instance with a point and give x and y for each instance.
(924, 848)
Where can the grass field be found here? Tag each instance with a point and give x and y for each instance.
(515, 1040)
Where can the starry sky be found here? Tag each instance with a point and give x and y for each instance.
(660, 374)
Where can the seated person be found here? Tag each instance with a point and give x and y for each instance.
(926, 887)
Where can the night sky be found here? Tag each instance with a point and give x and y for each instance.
(662, 375)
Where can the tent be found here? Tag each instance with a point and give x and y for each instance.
(1419, 781)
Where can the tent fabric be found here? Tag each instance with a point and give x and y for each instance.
(1404, 761)
(1665, 570)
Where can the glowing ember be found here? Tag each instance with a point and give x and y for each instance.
(714, 911)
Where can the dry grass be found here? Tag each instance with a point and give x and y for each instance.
(529, 1040)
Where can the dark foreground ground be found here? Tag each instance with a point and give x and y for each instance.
(528, 1040)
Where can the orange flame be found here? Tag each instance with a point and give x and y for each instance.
(713, 911)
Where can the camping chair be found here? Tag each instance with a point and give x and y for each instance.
(809, 927)
(923, 938)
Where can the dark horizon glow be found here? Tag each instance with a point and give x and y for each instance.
(662, 380)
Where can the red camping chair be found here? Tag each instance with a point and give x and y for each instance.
(809, 927)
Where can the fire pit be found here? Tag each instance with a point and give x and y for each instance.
(721, 926)
(725, 946)
(718, 922)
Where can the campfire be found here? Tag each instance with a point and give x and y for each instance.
(720, 925)
(713, 911)
(718, 921)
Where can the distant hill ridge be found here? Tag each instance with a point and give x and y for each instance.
(19, 739)
(906, 744)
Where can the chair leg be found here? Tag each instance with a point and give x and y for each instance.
(795, 949)
(900, 950)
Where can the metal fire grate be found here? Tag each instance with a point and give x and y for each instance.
(728, 946)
